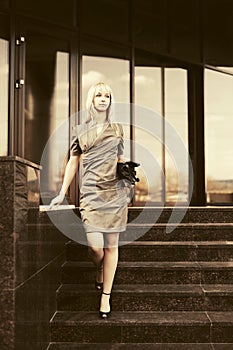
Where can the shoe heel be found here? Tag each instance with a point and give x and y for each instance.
(98, 285)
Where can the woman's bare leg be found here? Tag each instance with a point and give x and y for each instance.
(110, 265)
(95, 242)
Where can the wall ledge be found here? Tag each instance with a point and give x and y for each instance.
(20, 160)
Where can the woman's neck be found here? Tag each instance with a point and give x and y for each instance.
(101, 118)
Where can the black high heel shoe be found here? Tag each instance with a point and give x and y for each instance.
(104, 314)
(98, 285)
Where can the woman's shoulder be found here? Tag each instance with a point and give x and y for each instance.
(80, 129)
(119, 129)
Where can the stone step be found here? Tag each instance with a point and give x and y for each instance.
(180, 232)
(143, 327)
(139, 346)
(137, 297)
(157, 232)
(147, 214)
(148, 272)
(205, 214)
(162, 251)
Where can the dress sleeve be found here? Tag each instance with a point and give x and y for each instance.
(75, 149)
(121, 143)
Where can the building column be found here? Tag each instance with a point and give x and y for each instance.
(19, 189)
(196, 134)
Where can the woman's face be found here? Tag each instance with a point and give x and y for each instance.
(102, 100)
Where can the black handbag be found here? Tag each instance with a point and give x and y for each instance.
(127, 171)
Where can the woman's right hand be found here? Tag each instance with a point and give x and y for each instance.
(57, 200)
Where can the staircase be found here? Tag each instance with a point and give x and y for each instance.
(171, 291)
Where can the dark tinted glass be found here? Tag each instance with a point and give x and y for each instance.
(184, 29)
(106, 18)
(150, 19)
(218, 33)
(4, 5)
(61, 12)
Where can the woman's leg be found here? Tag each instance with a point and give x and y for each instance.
(110, 265)
(95, 242)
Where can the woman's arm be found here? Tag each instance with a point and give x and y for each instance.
(71, 170)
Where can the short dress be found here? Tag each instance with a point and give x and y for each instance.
(103, 197)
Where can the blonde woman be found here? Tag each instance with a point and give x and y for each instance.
(103, 199)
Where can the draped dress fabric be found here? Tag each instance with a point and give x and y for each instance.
(103, 197)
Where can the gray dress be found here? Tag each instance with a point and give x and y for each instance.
(103, 197)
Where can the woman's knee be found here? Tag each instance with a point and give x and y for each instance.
(111, 250)
(95, 252)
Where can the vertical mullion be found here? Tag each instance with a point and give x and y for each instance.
(80, 75)
(19, 118)
(132, 79)
(72, 104)
(132, 86)
(22, 100)
(163, 178)
(132, 106)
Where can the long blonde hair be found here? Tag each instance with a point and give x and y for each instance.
(91, 111)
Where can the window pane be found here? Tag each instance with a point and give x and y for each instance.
(114, 72)
(176, 114)
(148, 149)
(218, 136)
(4, 80)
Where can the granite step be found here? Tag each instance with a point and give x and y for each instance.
(151, 272)
(145, 232)
(180, 232)
(137, 297)
(162, 251)
(147, 215)
(142, 327)
(179, 214)
(139, 346)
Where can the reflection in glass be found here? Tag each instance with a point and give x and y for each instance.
(4, 80)
(60, 115)
(148, 96)
(225, 69)
(218, 136)
(46, 102)
(115, 73)
(176, 113)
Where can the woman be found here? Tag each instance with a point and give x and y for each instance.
(103, 199)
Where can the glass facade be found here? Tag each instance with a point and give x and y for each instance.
(148, 61)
